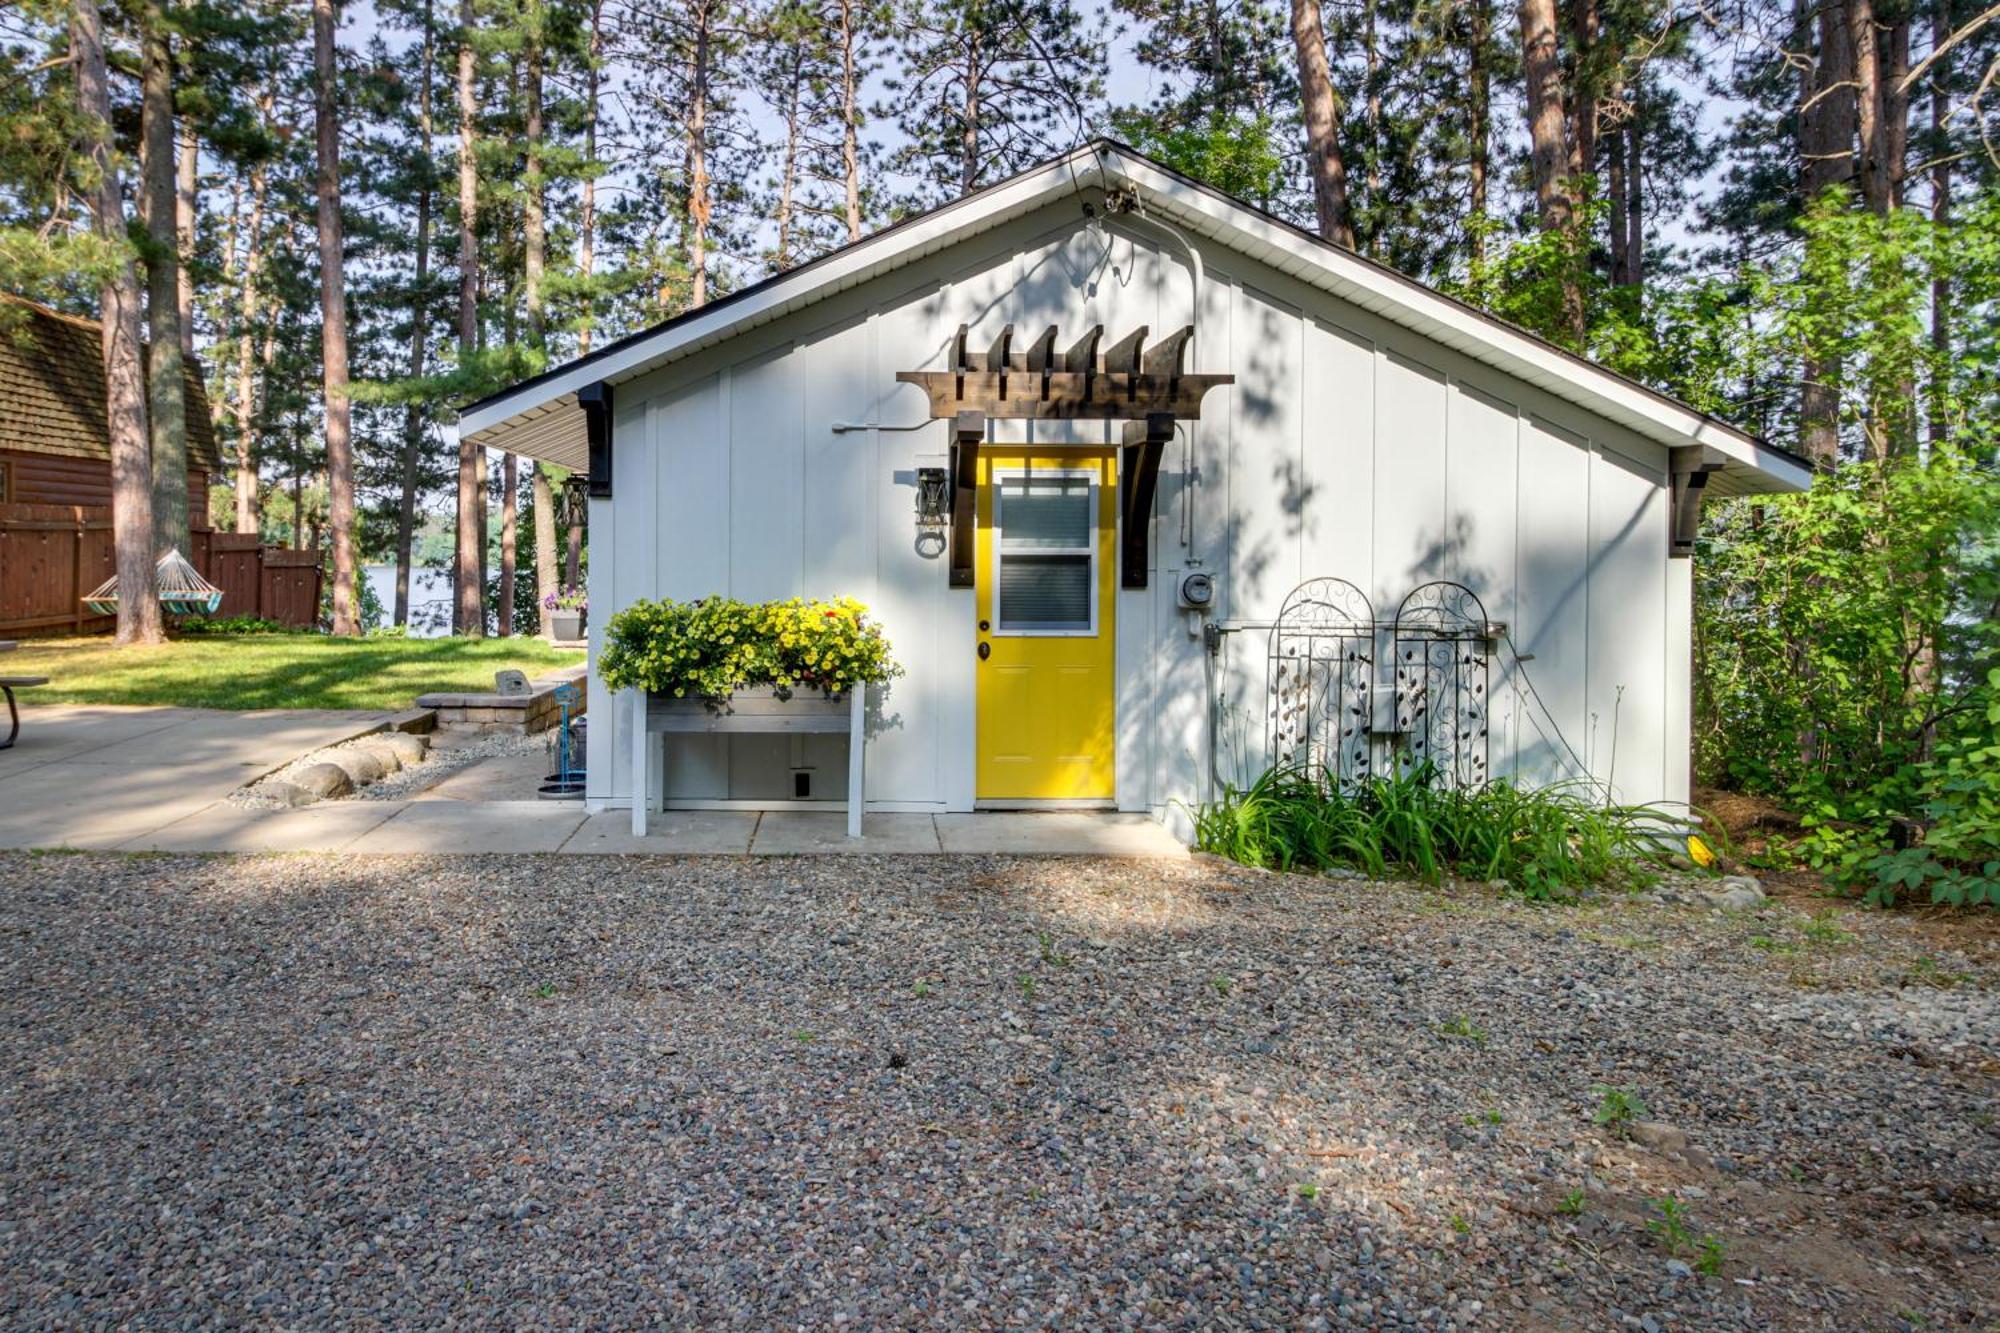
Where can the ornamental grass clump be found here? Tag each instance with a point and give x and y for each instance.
(711, 647)
(1545, 843)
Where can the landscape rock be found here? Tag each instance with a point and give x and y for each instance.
(276, 791)
(360, 766)
(322, 781)
(1660, 1138)
(385, 755)
(408, 747)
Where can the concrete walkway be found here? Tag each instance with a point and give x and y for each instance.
(96, 777)
(444, 826)
(158, 779)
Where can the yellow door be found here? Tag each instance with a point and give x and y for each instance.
(1043, 569)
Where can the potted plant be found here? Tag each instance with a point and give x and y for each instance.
(722, 655)
(566, 607)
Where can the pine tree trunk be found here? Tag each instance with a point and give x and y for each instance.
(469, 603)
(1479, 123)
(968, 130)
(420, 311)
(1549, 142)
(788, 170)
(1940, 99)
(124, 379)
(247, 486)
(1872, 166)
(850, 122)
(1585, 28)
(166, 383)
(699, 205)
(1322, 116)
(187, 175)
(510, 510)
(587, 219)
(1826, 128)
(544, 501)
(333, 321)
(1372, 72)
(1635, 200)
(533, 261)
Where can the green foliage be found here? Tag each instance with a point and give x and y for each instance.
(1461, 1026)
(1677, 1232)
(713, 646)
(1572, 1204)
(1237, 154)
(1838, 638)
(199, 625)
(1958, 860)
(1546, 843)
(1616, 1107)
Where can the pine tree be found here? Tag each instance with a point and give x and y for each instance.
(125, 390)
(988, 88)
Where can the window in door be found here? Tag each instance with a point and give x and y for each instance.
(1046, 555)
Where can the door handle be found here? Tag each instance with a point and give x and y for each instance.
(985, 650)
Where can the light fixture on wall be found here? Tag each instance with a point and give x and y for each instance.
(573, 505)
(933, 510)
(933, 498)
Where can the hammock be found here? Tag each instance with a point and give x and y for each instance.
(182, 589)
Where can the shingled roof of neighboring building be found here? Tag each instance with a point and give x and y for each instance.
(52, 388)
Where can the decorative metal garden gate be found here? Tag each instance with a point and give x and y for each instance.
(1321, 679)
(1443, 643)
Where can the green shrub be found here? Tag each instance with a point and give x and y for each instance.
(713, 646)
(1545, 842)
(233, 625)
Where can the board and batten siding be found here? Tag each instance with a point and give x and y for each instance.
(1347, 447)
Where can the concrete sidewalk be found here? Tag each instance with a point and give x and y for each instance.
(96, 776)
(158, 779)
(457, 827)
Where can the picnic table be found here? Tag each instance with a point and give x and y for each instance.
(8, 684)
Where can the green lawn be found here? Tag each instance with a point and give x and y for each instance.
(271, 670)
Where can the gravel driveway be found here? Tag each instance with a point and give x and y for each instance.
(957, 1092)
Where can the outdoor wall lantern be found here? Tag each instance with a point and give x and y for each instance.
(574, 504)
(933, 510)
(933, 498)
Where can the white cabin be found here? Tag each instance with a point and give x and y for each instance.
(1375, 432)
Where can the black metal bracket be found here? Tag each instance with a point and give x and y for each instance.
(1138, 482)
(1691, 466)
(968, 431)
(595, 400)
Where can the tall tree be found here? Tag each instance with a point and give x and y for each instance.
(124, 379)
(989, 87)
(333, 315)
(469, 608)
(165, 369)
(415, 414)
(1322, 114)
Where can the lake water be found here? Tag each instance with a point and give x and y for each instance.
(430, 598)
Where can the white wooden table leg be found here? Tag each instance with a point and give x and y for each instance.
(638, 763)
(857, 731)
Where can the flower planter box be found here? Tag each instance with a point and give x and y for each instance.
(565, 626)
(755, 709)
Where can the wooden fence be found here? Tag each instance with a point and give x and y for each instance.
(52, 555)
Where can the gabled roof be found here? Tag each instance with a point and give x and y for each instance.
(52, 388)
(539, 417)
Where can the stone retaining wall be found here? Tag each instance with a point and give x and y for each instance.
(516, 714)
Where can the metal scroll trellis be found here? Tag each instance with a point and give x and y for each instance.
(1321, 679)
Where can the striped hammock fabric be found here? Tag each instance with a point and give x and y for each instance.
(183, 590)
